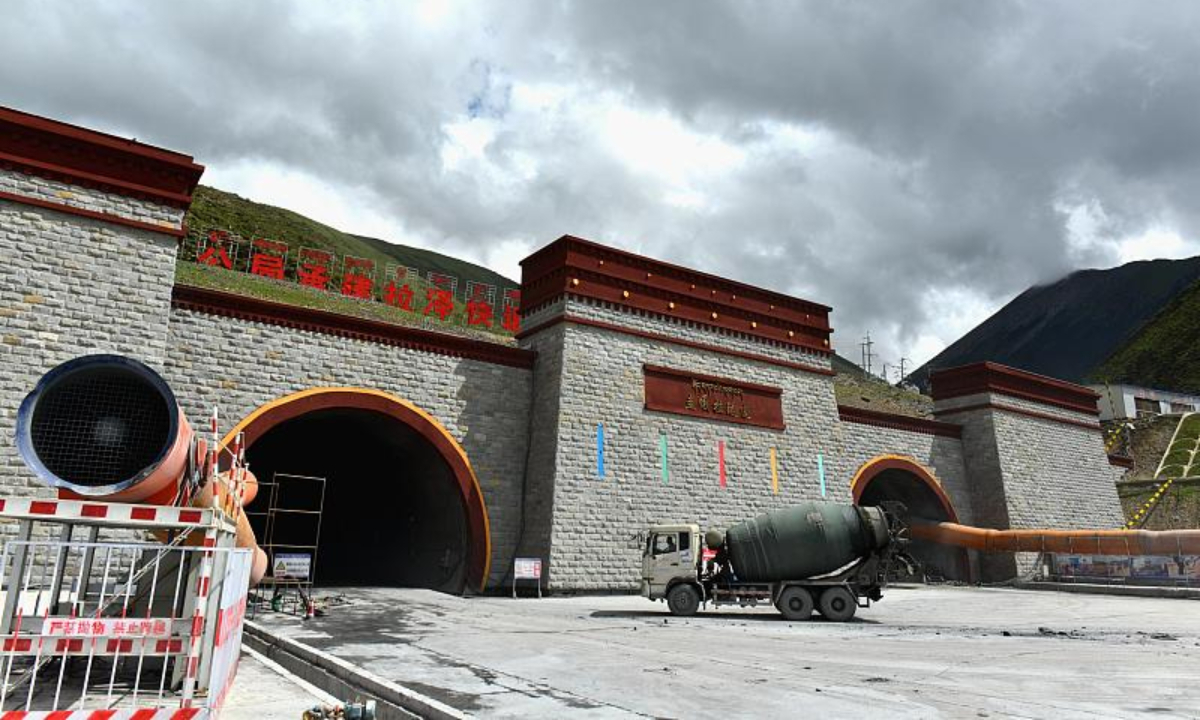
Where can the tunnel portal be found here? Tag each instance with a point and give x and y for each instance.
(392, 511)
(920, 500)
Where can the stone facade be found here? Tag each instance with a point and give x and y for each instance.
(597, 521)
(1032, 464)
(90, 266)
(239, 366)
(855, 445)
(72, 285)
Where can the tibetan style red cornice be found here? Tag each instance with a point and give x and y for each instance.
(250, 309)
(574, 266)
(989, 377)
(75, 155)
(898, 422)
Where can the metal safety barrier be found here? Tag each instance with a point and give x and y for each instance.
(140, 617)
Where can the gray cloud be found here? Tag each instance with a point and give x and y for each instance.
(888, 154)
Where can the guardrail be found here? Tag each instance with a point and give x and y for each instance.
(143, 613)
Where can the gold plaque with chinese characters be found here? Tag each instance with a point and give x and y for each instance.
(713, 398)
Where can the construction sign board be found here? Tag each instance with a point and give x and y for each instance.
(292, 566)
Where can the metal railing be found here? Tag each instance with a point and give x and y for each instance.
(118, 624)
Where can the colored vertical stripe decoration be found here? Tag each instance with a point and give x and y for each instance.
(721, 460)
(600, 449)
(662, 451)
(821, 472)
(774, 473)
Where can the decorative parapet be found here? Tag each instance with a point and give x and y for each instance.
(875, 418)
(993, 378)
(572, 266)
(60, 151)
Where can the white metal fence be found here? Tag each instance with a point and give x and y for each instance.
(89, 624)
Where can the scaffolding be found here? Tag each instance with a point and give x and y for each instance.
(295, 503)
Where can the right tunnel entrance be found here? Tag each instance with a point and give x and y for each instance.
(897, 479)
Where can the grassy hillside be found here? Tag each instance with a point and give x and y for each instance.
(290, 293)
(1165, 352)
(212, 208)
(1179, 508)
(854, 387)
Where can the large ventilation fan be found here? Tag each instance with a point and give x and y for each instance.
(98, 425)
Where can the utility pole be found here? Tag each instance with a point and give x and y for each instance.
(866, 352)
(903, 375)
(885, 373)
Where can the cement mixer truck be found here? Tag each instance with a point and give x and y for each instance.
(836, 558)
(831, 557)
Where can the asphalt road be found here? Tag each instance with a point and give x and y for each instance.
(920, 653)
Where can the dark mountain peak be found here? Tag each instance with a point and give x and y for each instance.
(1066, 329)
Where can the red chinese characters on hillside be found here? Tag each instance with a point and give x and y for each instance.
(397, 292)
(481, 298)
(512, 306)
(358, 277)
(439, 302)
(216, 248)
(398, 286)
(314, 268)
(268, 258)
(439, 299)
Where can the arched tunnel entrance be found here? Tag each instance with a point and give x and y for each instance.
(401, 504)
(900, 479)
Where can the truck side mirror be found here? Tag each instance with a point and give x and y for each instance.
(638, 540)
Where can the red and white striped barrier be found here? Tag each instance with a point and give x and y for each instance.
(145, 714)
(111, 514)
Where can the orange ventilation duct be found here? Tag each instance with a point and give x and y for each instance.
(1076, 542)
(106, 427)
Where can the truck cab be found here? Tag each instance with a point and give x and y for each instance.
(671, 555)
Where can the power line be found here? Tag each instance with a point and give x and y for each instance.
(866, 345)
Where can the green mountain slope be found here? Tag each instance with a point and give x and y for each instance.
(212, 208)
(1165, 352)
(1068, 329)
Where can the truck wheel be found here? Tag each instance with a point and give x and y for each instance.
(795, 603)
(838, 604)
(683, 600)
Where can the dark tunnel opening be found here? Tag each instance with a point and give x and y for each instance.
(392, 511)
(937, 561)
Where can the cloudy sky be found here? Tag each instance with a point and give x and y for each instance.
(913, 164)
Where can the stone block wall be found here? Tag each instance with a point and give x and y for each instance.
(240, 365)
(71, 286)
(856, 444)
(598, 521)
(1032, 465)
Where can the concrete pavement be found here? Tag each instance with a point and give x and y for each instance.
(263, 691)
(920, 653)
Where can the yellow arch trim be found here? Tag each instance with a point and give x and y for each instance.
(891, 456)
(347, 390)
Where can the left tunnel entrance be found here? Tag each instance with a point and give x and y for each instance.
(401, 507)
(391, 516)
